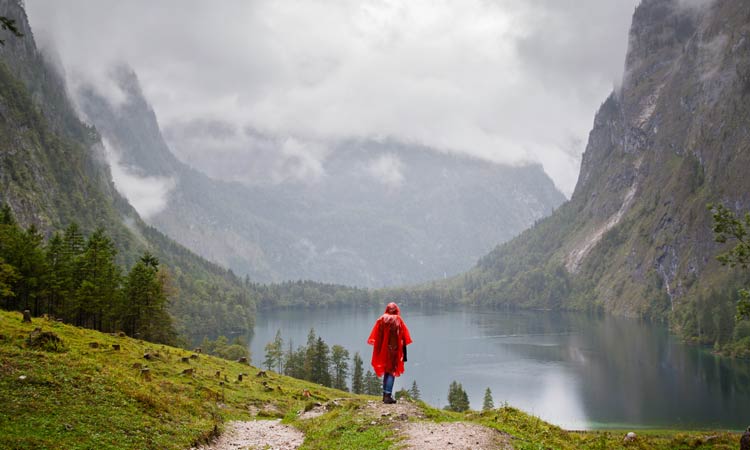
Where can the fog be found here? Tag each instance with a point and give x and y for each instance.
(262, 90)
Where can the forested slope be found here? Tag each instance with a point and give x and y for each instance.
(53, 173)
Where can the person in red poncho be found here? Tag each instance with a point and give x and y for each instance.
(389, 338)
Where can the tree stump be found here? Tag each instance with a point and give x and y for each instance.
(242, 360)
(146, 374)
(198, 350)
(239, 377)
(262, 374)
(218, 374)
(193, 356)
(26, 316)
(116, 347)
(148, 356)
(185, 359)
(93, 345)
(188, 371)
(137, 366)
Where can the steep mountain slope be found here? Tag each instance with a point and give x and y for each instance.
(635, 238)
(383, 213)
(53, 172)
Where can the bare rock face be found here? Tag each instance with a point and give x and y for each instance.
(636, 236)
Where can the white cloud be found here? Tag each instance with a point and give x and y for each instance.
(506, 80)
(387, 169)
(148, 195)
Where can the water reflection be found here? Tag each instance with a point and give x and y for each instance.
(575, 370)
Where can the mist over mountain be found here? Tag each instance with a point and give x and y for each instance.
(373, 213)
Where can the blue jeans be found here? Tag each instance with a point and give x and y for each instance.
(388, 380)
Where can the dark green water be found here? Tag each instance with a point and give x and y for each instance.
(574, 370)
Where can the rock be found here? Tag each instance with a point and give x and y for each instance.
(262, 373)
(242, 360)
(630, 437)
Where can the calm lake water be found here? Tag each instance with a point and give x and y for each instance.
(574, 370)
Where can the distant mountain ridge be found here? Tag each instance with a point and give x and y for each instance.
(635, 238)
(53, 172)
(443, 212)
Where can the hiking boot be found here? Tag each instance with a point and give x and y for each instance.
(388, 400)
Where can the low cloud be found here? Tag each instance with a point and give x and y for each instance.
(507, 81)
(148, 195)
(387, 169)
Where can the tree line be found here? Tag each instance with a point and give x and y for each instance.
(76, 279)
(328, 366)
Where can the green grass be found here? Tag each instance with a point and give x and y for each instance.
(93, 398)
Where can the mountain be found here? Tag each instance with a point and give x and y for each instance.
(53, 171)
(383, 213)
(636, 238)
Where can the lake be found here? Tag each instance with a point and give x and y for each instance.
(577, 371)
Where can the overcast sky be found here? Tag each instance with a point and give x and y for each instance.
(510, 81)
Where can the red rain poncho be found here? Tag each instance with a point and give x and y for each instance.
(389, 336)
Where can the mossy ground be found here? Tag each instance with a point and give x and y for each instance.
(83, 397)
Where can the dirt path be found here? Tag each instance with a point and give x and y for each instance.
(418, 434)
(406, 420)
(454, 436)
(258, 434)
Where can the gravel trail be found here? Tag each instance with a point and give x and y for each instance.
(257, 434)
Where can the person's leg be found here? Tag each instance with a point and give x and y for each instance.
(388, 380)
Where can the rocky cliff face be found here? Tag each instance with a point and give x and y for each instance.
(435, 216)
(636, 238)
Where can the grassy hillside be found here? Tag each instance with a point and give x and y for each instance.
(75, 396)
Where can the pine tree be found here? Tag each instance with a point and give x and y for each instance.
(414, 391)
(488, 403)
(98, 292)
(8, 277)
(373, 384)
(357, 380)
(458, 400)
(294, 361)
(275, 353)
(339, 367)
(145, 314)
(309, 359)
(321, 363)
